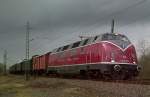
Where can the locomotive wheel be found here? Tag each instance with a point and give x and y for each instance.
(106, 77)
(89, 74)
(115, 76)
(83, 74)
(94, 74)
(118, 76)
(128, 77)
(97, 74)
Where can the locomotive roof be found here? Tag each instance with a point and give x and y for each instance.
(77, 44)
(90, 40)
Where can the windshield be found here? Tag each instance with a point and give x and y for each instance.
(115, 37)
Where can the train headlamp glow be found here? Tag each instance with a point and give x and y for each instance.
(112, 60)
(116, 33)
(112, 57)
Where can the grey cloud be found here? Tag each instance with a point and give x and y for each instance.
(56, 22)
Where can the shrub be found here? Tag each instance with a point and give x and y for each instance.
(144, 61)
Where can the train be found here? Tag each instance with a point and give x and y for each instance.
(108, 56)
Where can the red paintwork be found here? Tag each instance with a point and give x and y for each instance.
(47, 59)
(39, 62)
(127, 55)
(35, 62)
(93, 53)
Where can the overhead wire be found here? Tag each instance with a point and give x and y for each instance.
(113, 15)
(101, 19)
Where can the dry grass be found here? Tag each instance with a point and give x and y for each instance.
(15, 86)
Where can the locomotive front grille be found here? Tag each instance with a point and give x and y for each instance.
(117, 68)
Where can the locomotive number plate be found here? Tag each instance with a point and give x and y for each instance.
(124, 61)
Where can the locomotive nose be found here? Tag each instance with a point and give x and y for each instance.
(117, 68)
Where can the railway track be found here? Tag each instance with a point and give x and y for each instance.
(137, 81)
(133, 81)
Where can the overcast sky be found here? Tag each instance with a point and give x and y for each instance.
(58, 22)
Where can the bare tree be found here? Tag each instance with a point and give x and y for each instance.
(1, 67)
(143, 48)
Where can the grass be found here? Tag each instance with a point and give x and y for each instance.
(16, 86)
(10, 86)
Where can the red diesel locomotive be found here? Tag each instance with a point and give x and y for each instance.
(108, 55)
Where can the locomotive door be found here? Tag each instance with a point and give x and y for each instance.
(88, 55)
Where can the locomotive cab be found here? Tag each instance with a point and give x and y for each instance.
(119, 55)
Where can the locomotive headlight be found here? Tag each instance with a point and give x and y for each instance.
(112, 57)
(112, 60)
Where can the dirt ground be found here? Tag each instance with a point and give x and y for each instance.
(16, 86)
